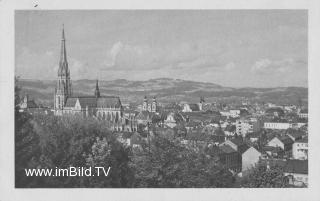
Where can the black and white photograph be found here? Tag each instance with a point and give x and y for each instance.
(161, 99)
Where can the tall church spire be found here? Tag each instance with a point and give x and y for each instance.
(97, 91)
(63, 64)
(63, 89)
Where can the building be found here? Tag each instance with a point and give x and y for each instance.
(172, 119)
(272, 152)
(27, 103)
(234, 113)
(303, 113)
(250, 158)
(194, 107)
(237, 144)
(144, 117)
(245, 126)
(297, 172)
(277, 125)
(150, 107)
(295, 135)
(285, 143)
(107, 108)
(300, 149)
(230, 158)
(30, 106)
(274, 112)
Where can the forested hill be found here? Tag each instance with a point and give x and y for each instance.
(166, 90)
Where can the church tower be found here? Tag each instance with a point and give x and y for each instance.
(145, 104)
(97, 91)
(154, 105)
(63, 88)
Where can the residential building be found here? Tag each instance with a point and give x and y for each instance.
(250, 158)
(230, 158)
(277, 125)
(285, 143)
(300, 149)
(303, 113)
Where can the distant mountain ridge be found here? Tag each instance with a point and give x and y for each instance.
(166, 90)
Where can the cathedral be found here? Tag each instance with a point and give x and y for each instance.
(107, 108)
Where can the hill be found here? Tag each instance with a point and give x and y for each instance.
(166, 90)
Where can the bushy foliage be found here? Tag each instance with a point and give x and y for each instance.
(166, 164)
(264, 177)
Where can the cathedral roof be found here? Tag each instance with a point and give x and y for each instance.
(91, 102)
(109, 101)
(71, 102)
(94, 102)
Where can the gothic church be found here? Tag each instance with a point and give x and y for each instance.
(107, 108)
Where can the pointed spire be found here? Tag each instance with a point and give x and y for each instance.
(97, 91)
(63, 38)
(63, 55)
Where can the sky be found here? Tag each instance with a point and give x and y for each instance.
(235, 48)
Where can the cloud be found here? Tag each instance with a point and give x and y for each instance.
(128, 57)
(80, 70)
(113, 53)
(230, 66)
(34, 65)
(267, 66)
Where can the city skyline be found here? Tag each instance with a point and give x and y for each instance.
(239, 48)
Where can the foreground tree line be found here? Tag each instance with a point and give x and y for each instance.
(50, 142)
(46, 141)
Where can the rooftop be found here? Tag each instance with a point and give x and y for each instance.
(296, 166)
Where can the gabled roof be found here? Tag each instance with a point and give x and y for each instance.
(286, 140)
(243, 148)
(71, 102)
(296, 135)
(109, 101)
(296, 166)
(93, 102)
(227, 149)
(271, 148)
(237, 141)
(90, 102)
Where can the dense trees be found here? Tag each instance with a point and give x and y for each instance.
(262, 176)
(166, 164)
(26, 143)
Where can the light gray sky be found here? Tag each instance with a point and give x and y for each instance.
(237, 48)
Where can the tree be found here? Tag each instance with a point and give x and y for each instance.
(26, 142)
(265, 177)
(171, 165)
(109, 154)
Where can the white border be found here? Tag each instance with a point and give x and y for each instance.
(7, 190)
